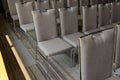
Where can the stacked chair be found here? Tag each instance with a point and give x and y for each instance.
(24, 11)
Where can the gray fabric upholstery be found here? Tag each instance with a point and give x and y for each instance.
(14, 17)
(27, 27)
(97, 55)
(84, 2)
(53, 47)
(73, 38)
(112, 78)
(89, 17)
(12, 8)
(104, 14)
(45, 25)
(69, 25)
(69, 20)
(57, 4)
(42, 5)
(115, 12)
(25, 16)
(71, 3)
(24, 12)
(117, 54)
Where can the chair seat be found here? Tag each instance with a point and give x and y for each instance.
(73, 38)
(53, 46)
(14, 17)
(112, 78)
(27, 27)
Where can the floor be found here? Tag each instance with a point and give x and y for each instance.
(39, 68)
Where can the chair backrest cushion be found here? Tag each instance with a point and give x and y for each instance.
(69, 20)
(42, 5)
(11, 5)
(89, 17)
(97, 55)
(115, 12)
(104, 14)
(45, 25)
(57, 4)
(71, 3)
(25, 12)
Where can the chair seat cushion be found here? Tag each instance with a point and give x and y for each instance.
(53, 46)
(14, 17)
(27, 27)
(112, 78)
(73, 38)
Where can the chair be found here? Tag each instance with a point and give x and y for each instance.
(69, 27)
(13, 12)
(96, 56)
(42, 5)
(72, 3)
(25, 16)
(89, 17)
(48, 41)
(115, 6)
(104, 14)
(117, 51)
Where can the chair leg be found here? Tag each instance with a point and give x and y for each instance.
(14, 26)
(72, 55)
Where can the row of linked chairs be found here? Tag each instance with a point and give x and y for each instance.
(97, 44)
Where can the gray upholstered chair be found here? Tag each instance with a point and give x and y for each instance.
(42, 5)
(96, 55)
(12, 9)
(89, 15)
(48, 41)
(104, 14)
(69, 27)
(25, 16)
(72, 3)
(117, 51)
(115, 12)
